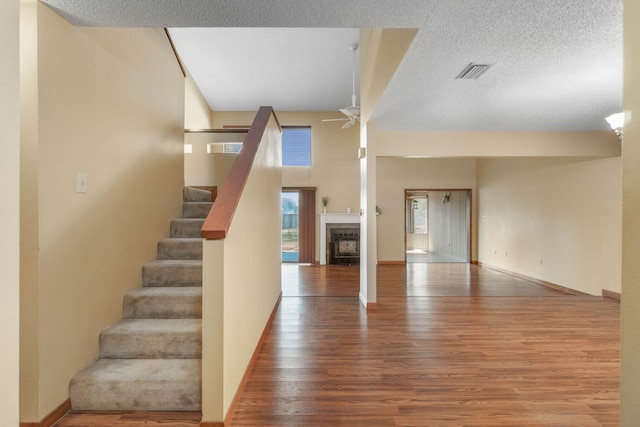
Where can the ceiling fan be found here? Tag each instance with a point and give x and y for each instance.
(353, 111)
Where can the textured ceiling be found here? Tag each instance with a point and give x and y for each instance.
(558, 64)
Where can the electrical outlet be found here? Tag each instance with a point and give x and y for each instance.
(81, 184)
(506, 253)
(540, 261)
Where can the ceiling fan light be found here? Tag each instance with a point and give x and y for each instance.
(616, 121)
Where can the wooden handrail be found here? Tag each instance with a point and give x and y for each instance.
(219, 219)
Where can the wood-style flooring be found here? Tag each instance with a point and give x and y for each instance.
(449, 345)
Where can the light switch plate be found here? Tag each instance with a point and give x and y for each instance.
(81, 185)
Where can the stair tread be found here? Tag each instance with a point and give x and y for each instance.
(138, 384)
(152, 339)
(163, 303)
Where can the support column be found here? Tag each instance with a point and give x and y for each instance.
(368, 240)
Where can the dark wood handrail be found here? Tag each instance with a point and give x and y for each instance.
(219, 219)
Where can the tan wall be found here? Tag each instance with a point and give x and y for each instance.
(630, 388)
(335, 170)
(564, 211)
(9, 212)
(395, 175)
(237, 301)
(111, 105)
(202, 168)
(197, 113)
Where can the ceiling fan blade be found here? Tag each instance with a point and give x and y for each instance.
(348, 124)
(335, 120)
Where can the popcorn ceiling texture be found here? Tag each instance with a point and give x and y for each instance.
(558, 65)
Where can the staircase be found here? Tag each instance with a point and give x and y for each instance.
(150, 360)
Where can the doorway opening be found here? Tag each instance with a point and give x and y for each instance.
(290, 220)
(437, 226)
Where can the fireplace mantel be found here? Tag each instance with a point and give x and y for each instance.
(333, 218)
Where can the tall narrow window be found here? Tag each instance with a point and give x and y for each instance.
(290, 226)
(296, 146)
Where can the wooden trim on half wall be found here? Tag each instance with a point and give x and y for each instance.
(391, 262)
(611, 295)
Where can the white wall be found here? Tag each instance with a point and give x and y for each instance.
(449, 224)
(9, 212)
(566, 212)
(394, 175)
(108, 103)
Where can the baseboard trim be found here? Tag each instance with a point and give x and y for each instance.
(53, 417)
(474, 262)
(611, 295)
(391, 262)
(247, 372)
(534, 280)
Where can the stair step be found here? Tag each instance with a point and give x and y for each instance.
(186, 227)
(138, 385)
(163, 303)
(190, 194)
(196, 209)
(180, 248)
(170, 273)
(152, 339)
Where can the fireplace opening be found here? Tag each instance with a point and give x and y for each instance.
(344, 245)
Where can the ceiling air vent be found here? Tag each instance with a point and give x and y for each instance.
(473, 71)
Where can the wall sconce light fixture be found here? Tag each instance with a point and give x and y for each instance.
(616, 121)
(415, 204)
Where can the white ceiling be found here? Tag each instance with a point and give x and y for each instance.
(558, 64)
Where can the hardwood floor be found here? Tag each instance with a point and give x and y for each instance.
(449, 345)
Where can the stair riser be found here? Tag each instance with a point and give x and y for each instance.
(180, 275)
(186, 228)
(180, 249)
(196, 209)
(190, 194)
(162, 307)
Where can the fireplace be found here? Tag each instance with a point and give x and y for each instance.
(342, 245)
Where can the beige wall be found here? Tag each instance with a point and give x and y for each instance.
(394, 175)
(202, 168)
(237, 301)
(630, 389)
(9, 212)
(111, 105)
(197, 113)
(335, 170)
(564, 211)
